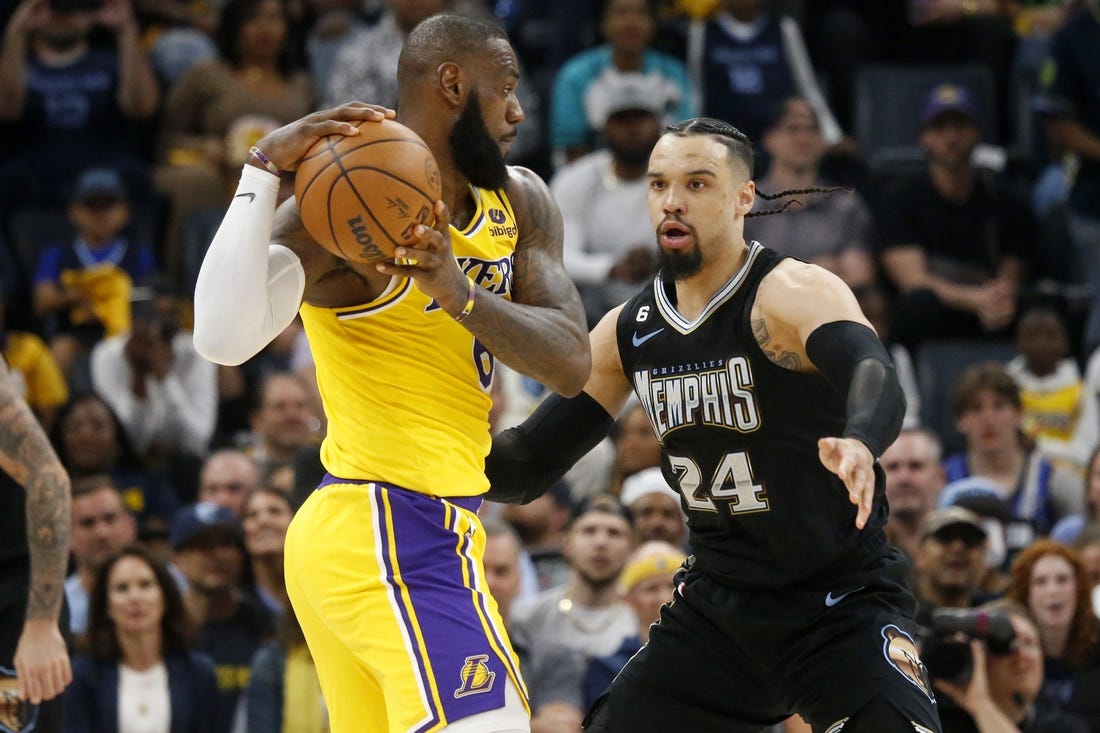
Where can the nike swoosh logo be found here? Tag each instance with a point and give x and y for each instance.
(639, 340)
(251, 196)
(831, 600)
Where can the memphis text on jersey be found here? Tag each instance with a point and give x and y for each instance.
(715, 393)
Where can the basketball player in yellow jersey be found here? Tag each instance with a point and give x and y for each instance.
(384, 560)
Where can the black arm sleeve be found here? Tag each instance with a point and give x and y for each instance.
(855, 363)
(527, 460)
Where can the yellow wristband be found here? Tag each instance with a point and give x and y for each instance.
(470, 297)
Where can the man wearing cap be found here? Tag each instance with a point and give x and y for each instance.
(83, 287)
(655, 507)
(208, 547)
(955, 242)
(608, 241)
(950, 561)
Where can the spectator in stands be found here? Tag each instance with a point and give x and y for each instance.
(83, 287)
(646, 584)
(282, 424)
(586, 82)
(227, 477)
(603, 196)
(747, 62)
(541, 526)
(208, 548)
(283, 693)
(586, 614)
(266, 515)
(102, 526)
(552, 671)
(955, 242)
(949, 564)
(914, 477)
(989, 415)
(90, 440)
(73, 105)
(1050, 580)
(165, 394)
(1049, 381)
(654, 507)
(636, 445)
(34, 371)
(1069, 529)
(1070, 102)
(832, 231)
(218, 109)
(140, 670)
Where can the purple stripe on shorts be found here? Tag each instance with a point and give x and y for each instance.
(469, 674)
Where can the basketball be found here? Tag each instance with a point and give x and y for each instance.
(360, 196)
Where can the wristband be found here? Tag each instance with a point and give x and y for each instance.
(470, 297)
(264, 160)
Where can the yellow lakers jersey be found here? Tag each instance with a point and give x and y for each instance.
(406, 389)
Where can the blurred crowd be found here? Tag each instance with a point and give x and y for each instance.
(960, 143)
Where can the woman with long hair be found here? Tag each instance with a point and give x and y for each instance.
(265, 516)
(138, 670)
(1050, 580)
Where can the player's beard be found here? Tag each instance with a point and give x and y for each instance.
(474, 150)
(679, 264)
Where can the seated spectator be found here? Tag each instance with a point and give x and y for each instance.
(552, 671)
(218, 109)
(636, 445)
(102, 527)
(654, 507)
(603, 196)
(541, 525)
(1068, 529)
(90, 440)
(1003, 691)
(265, 517)
(1087, 545)
(282, 424)
(914, 477)
(34, 371)
(1086, 434)
(587, 81)
(1049, 579)
(950, 562)
(646, 584)
(208, 548)
(747, 61)
(139, 670)
(73, 105)
(83, 288)
(1049, 381)
(283, 692)
(931, 227)
(227, 477)
(989, 415)
(586, 613)
(832, 231)
(164, 393)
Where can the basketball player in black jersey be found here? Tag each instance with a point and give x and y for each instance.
(34, 550)
(772, 398)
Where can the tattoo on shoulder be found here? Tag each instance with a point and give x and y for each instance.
(785, 359)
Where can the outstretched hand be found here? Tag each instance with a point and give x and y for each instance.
(429, 259)
(852, 461)
(287, 146)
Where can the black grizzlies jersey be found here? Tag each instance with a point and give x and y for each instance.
(739, 436)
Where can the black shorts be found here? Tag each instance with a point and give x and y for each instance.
(731, 660)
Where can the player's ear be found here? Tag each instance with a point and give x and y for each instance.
(452, 83)
(746, 197)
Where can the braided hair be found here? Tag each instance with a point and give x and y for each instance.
(740, 151)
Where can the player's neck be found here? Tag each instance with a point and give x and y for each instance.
(693, 293)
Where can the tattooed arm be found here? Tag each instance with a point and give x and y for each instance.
(41, 660)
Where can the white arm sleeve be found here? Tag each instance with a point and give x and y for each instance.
(248, 290)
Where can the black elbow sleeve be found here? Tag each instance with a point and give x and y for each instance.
(855, 363)
(525, 461)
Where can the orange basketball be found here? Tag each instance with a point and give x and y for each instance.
(360, 196)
